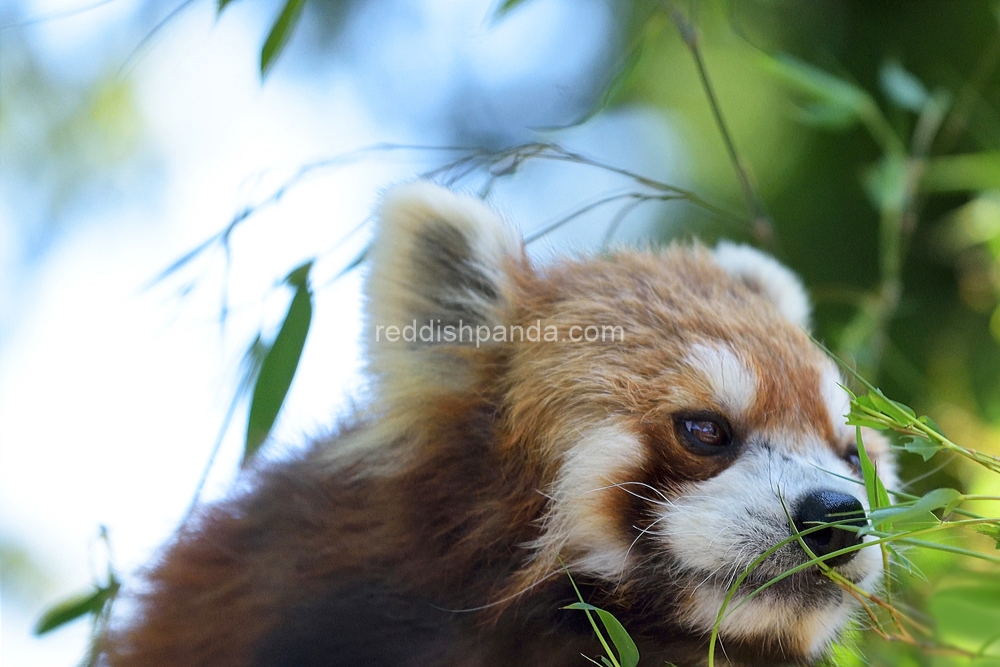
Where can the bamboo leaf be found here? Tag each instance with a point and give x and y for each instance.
(931, 424)
(76, 607)
(827, 116)
(628, 653)
(902, 88)
(280, 32)
(864, 420)
(505, 8)
(868, 473)
(834, 100)
(886, 183)
(933, 500)
(279, 365)
(962, 173)
(902, 413)
(920, 446)
(992, 531)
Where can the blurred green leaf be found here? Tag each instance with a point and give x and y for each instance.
(299, 277)
(76, 607)
(962, 173)
(628, 653)
(505, 7)
(280, 32)
(886, 183)
(902, 88)
(827, 116)
(992, 531)
(279, 365)
(967, 614)
(833, 97)
(221, 4)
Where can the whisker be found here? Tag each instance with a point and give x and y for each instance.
(621, 485)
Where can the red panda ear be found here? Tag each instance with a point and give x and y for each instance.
(766, 275)
(438, 260)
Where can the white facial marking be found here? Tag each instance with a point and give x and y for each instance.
(811, 629)
(818, 628)
(717, 528)
(577, 525)
(729, 379)
(834, 395)
(744, 621)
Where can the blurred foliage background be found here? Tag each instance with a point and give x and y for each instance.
(868, 132)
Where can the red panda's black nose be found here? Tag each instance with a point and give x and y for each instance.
(826, 507)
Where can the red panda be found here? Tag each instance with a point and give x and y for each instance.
(653, 420)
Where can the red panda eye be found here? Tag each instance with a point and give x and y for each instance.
(707, 434)
(853, 458)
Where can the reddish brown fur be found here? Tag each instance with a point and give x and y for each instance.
(449, 523)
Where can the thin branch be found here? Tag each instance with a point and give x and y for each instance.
(763, 227)
(133, 55)
(55, 16)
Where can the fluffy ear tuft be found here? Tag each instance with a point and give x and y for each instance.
(438, 259)
(766, 275)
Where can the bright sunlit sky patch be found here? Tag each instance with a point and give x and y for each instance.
(111, 391)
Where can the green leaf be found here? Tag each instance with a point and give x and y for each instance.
(76, 607)
(838, 99)
(868, 473)
(861, 411)
(893, 408)
(992, 531)
(505, 8)
(827, 116)
(220, 5)
(280, 32)
(920, 446)
(886, 183)
(876, 401)
(936, 499)
(962, 173)
(628, 653)
(861, 419)
(299, 276)
(279, 366)
(903, 88)
(931, 424)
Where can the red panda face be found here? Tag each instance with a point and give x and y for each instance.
(694, 443)
(676, 413)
